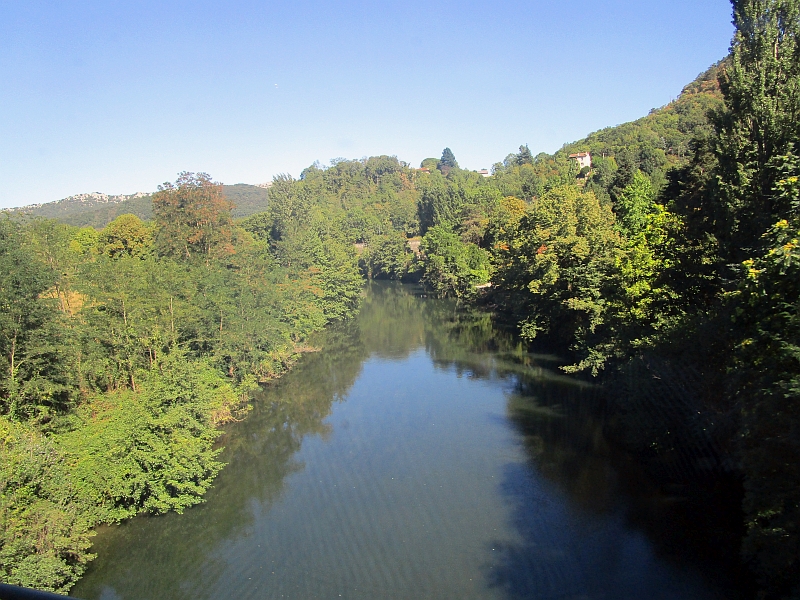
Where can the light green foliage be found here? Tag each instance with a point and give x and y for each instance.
(150, 451)
(643, 259)
(352, 200)
(452, 268)
(553, 272)
(118, 365)
(527, 180)
(387, 256)
(126, 235)
(84, 241)
(429, 163)
(634, 204)
(637, 297)
(44, 525)
(662, 139)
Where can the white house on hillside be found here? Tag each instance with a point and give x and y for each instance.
(584, 159)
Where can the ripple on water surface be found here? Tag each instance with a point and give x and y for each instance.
(407, 460)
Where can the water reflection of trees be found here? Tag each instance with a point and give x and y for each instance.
(172, 555)
(580, 441)
(563, 423)
(693, 523)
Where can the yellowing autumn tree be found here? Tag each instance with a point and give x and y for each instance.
(193, 218)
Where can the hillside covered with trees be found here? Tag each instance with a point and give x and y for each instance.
(98, 210)
(124, 350)
(668, 271)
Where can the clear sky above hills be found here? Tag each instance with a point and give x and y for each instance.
(120, 96)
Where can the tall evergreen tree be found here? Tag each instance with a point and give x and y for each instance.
(524, 157)
(760, 121)
(756, 175)
(447, 162)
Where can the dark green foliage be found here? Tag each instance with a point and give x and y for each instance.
(768, 359)
(440, 202)
(759, 124)
(524, 157)
(447, 162)
(388, 256)
(694, 272)
(34, 369)
(738, 204)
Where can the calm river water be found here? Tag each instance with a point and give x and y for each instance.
(420, 454)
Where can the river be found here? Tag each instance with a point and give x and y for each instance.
(420, 454)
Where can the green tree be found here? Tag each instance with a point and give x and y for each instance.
(429, 163)
(555, 271)
(84, 241)
(524, 157)
(761, 86)
(634, 203)
(453, 268)
(289, 206)
(768, 364)
(447, 162)
(34, 361)
(736, 208)
(127, 235)
(386, 256)
(44, 524)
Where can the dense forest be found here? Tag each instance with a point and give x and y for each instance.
(668, 270)
(125, 349)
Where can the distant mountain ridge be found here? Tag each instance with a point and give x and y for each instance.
(655, 142)
(90, 199)
(97, 209)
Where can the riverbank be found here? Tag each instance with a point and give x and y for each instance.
(118, 455)
(422, 453)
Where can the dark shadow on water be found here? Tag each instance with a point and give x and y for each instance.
(621, 531)
(592, 520)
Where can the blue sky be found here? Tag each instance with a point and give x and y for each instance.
(118, 97)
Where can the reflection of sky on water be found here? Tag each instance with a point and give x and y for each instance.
(438, 475)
